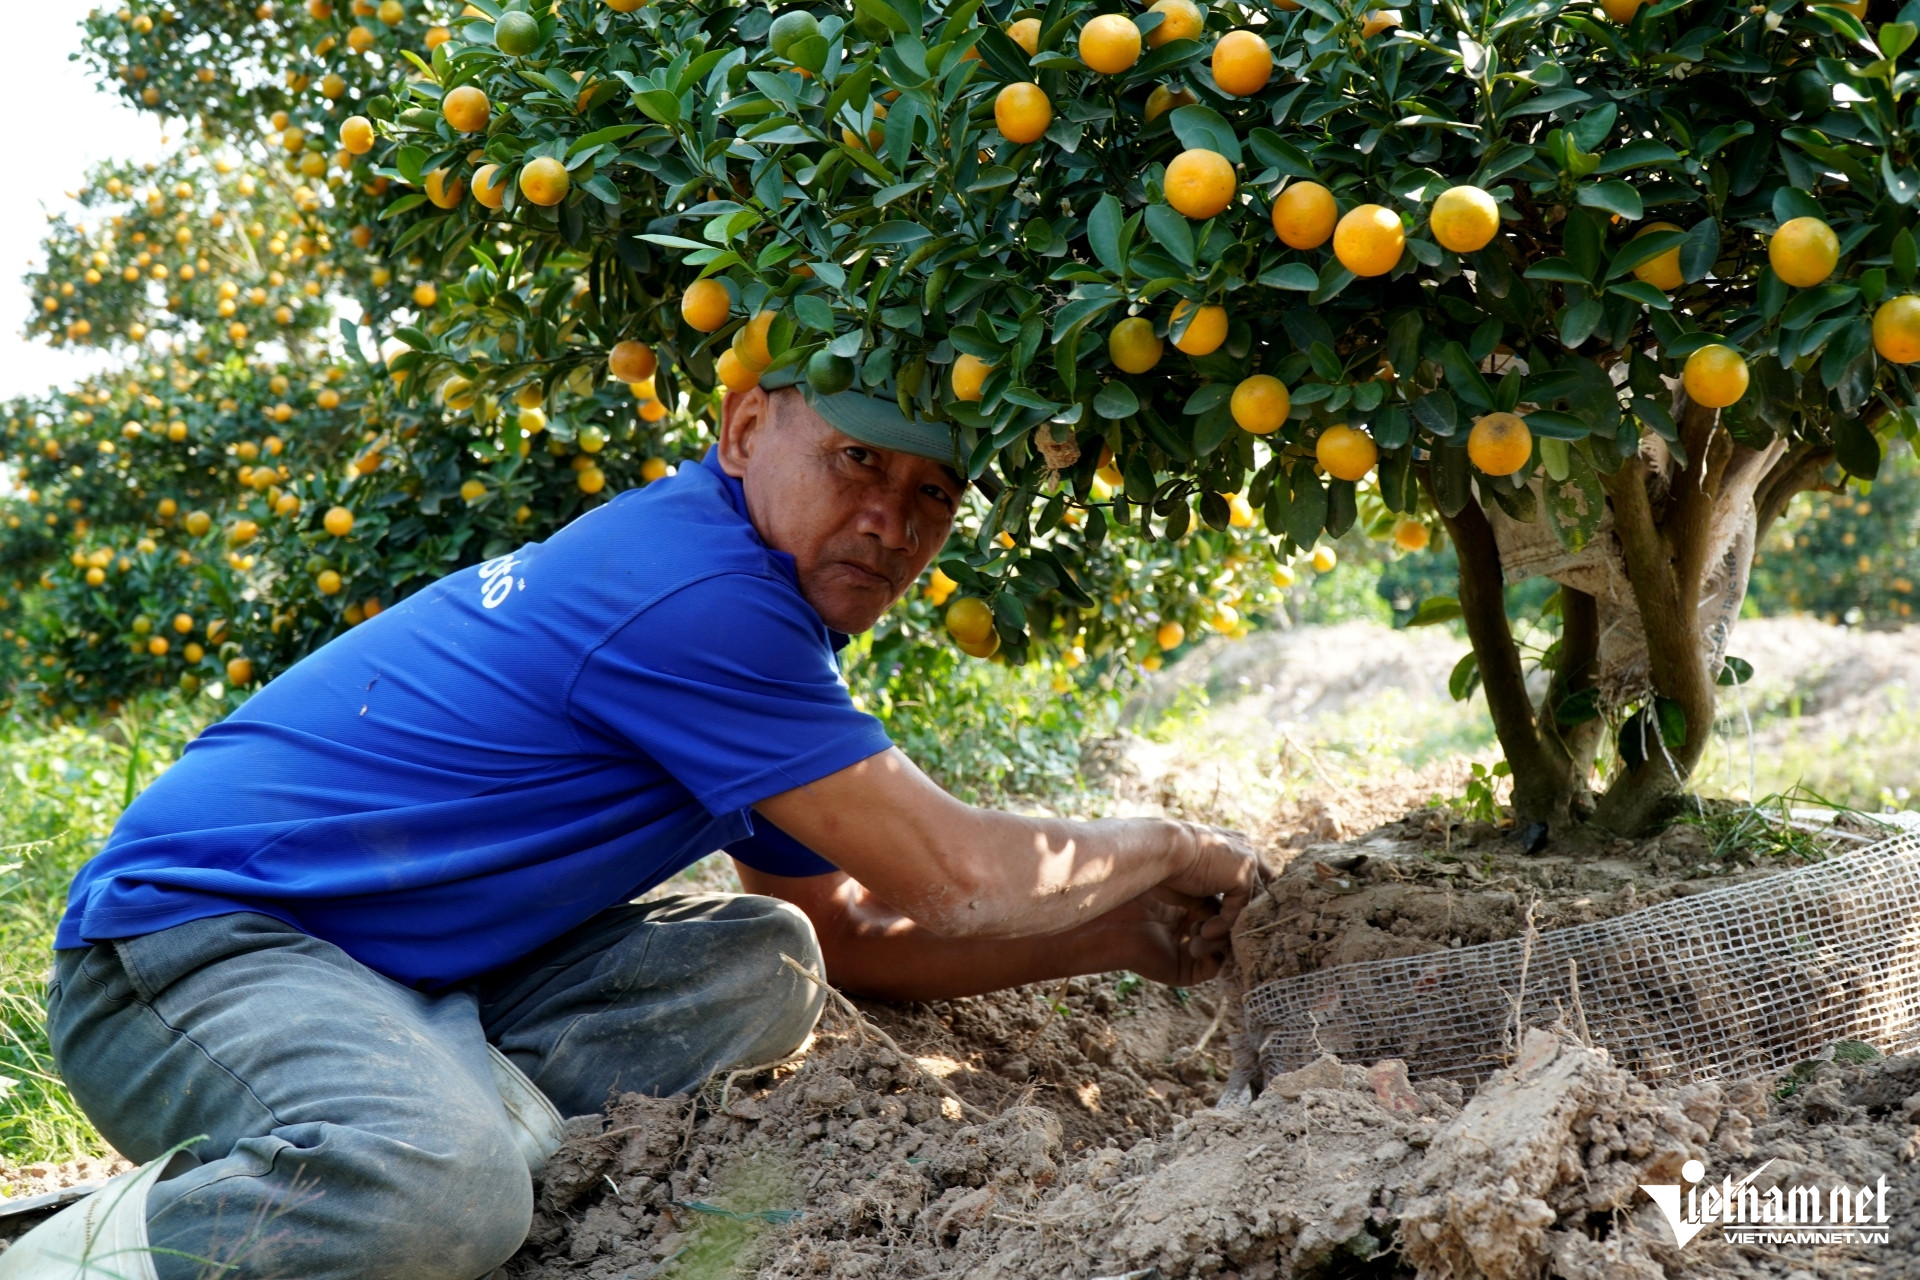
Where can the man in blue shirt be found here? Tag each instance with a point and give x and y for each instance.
(370, 940)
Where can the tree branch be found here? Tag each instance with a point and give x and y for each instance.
(1579, 669)
(1797, 471)
(1688, 527)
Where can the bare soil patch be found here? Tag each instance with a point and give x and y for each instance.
(23, 1182)
(1082, 1142)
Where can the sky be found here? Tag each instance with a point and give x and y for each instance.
(61, 124)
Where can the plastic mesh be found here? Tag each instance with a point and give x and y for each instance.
(1739, 981)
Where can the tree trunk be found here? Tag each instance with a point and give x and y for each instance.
(1675, 549)
(1545, 781)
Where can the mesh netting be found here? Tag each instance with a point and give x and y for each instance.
(1744, 980)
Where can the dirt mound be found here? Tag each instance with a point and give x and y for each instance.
(1429, 881)
(1067, 1131)
(857, 1164)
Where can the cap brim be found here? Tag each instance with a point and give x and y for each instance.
(879, 422)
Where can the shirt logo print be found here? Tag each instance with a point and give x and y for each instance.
(496, 577)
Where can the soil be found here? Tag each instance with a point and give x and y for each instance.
(1012, 1139)
(23, 1182)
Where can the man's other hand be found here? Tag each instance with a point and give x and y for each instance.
(1168, 937)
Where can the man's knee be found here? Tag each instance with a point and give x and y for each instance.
(789, 1003)
(467, 1197)
(451, 1201)
(790, 931)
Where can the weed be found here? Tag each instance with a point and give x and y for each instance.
(1480, 802)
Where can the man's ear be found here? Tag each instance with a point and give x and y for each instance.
(742, 416)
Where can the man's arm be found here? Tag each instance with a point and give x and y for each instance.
(959, 871)
(873, 950)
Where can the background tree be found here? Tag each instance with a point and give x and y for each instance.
(1312, 258)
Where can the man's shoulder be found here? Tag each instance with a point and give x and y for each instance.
(677, 531)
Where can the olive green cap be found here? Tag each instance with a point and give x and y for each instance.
(878, 421)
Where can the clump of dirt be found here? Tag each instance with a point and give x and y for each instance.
(1118, 1058)
(1559, 1141)
(1069, 1130)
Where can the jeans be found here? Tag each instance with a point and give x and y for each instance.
(353, 1128)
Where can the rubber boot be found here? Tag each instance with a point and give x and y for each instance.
(537, 1126)
(103, 1237)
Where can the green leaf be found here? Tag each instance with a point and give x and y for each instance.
(884, 14)
(1465, 677)
(405, 204)
(1855, 448)
(1207, 397)
(1700, 250)
(1116, 400)
(1672, 718)
(1466, 381)
(1575, 504)
(1552, 100)
(1307, 514)
(1843, 22)
(1452, 475)
(1275, 152)
(1905, 255)
(1203, 128)
(1791, 202)
(1399, 484)
(1171, 230)
(1734, 671)
(1435, 609)
(1551, 424)
(1103, 232)
(1809, 304)
(1613, 196)
(1642, 153)
(1642, 248)
(1297, 276)
(813, 311)
(1578, 321)
(1556, 269)
(1897, 37)
(1437, 413)
(1172, 54)
(1641, 292)
(1579, 707)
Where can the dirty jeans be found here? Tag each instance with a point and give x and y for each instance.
(353, 1128)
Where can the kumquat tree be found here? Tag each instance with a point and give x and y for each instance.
(1593, 292)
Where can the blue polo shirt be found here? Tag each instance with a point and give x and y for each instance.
(489, 763)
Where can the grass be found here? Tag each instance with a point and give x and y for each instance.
(61, 787)
(1868, 760)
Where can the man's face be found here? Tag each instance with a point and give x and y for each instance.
(861, 523)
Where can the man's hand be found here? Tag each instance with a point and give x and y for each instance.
(1165, 936)
(1223, 868)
